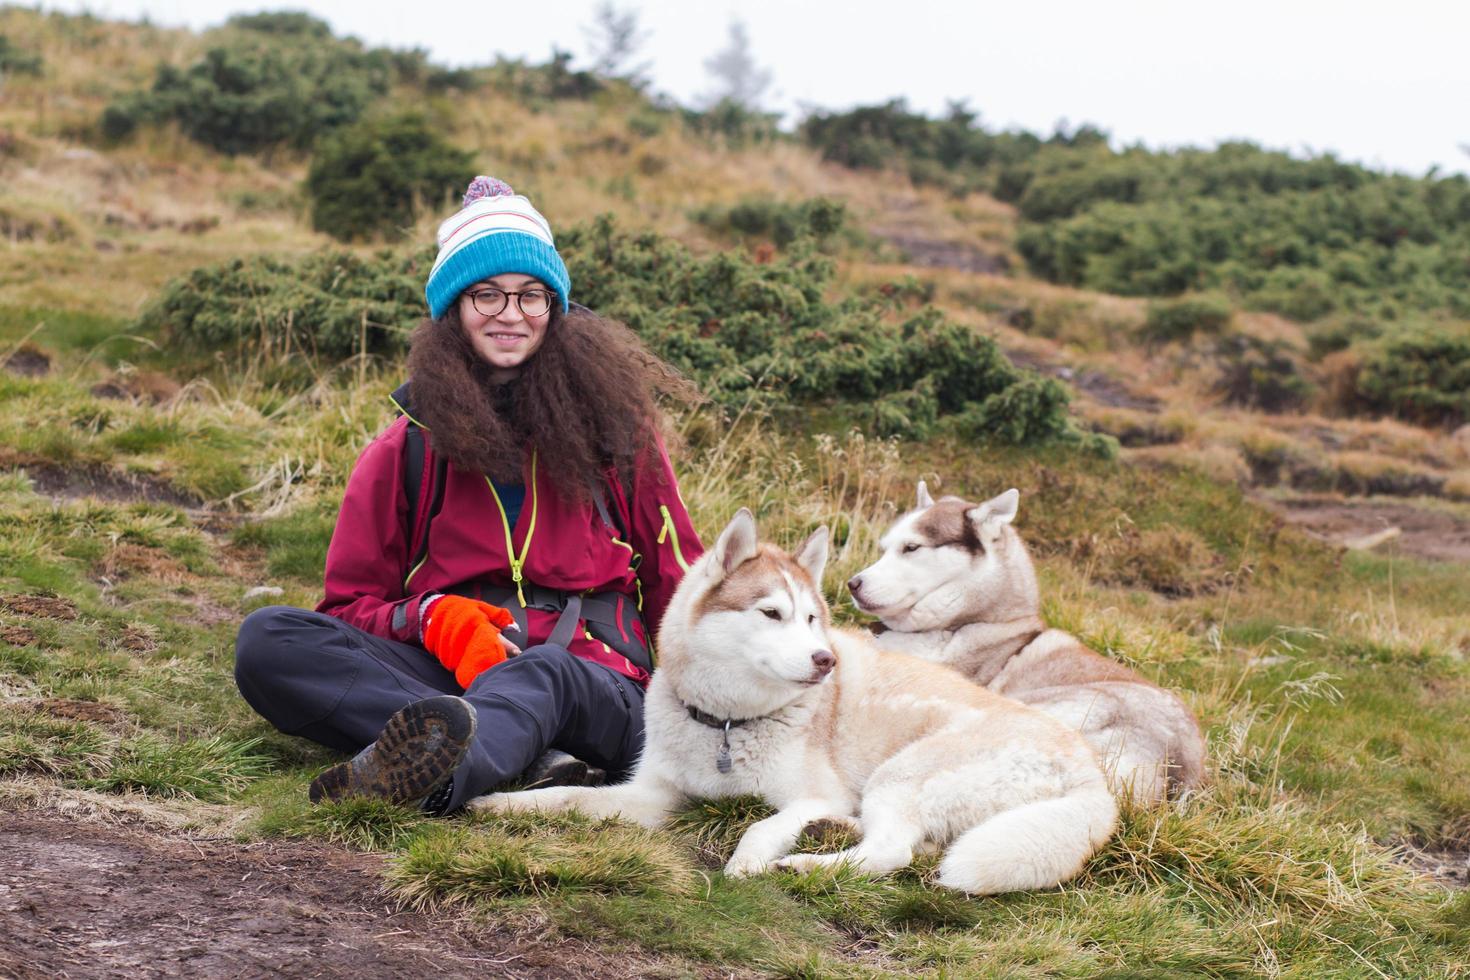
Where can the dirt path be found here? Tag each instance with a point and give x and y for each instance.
(1420, 533)
(83, 898)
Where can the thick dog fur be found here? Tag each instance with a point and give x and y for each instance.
(830, 727)
(955, 586)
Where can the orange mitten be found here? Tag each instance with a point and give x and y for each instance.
(465, 635)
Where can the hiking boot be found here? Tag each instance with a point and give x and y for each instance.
(415, 755)
(557, 768)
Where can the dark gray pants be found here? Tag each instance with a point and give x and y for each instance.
(312, 675)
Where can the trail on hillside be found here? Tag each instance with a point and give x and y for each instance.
(1398, 528)
(83, 898)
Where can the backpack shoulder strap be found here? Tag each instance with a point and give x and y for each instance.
(420, 462)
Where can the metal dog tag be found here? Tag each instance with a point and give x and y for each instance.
(722, 757)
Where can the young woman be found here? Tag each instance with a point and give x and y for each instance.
(505, 549)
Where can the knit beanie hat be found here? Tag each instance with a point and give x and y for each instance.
(496, 231)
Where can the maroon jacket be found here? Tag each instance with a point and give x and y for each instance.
(559, 544)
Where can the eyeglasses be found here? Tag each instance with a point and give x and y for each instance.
(531, 302)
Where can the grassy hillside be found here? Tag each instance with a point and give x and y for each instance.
(158, 482)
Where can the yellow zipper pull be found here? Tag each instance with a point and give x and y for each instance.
(515, 574)
(672, 533)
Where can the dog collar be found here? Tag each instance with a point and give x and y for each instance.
(723, 762)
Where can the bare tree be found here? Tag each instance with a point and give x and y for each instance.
(738, 79)
(614, 39)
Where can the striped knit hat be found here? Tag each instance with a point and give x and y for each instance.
(496, 231)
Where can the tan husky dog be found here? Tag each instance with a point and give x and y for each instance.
(755, 693)
(955, 586)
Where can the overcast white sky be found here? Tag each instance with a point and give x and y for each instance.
(1385, 83)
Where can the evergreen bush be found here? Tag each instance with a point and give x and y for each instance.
(330, 305)
(747, 331)
(781, 222)
(1260, 374)
(536, 85)
(274, 80)
(15, 61)
(737, 125)
(1304, 238)
(373, 177)
(1421, 376)
(1180, 319)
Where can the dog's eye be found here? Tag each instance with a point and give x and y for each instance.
(911, 548)
(812, 619)
(771, 613)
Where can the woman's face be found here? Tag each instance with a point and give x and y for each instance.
(506, 340)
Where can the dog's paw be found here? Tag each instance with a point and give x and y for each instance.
(744, 867)
(806, 862)
(834, 832)
(493, 803)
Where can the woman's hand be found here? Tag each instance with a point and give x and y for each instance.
(465, 635)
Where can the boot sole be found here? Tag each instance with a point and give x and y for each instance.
(417, 751)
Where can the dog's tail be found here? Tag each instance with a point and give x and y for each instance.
(1037, 845)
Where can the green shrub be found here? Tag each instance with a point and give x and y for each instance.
(331, 305)
(1331, 337)
(539, 84)
(781, 222)
(746, 331)
(273, 80)
(373, 177)
(1181, 319)
(1304, 238)
(951, 152)
(1419, 375)
(1260, 374)
(733, 123)
(15, 61)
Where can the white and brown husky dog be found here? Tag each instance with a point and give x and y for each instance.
(756, 693)
(955, 586)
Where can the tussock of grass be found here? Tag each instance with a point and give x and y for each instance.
(716, 826)
(457, 866)
(363, 824)
(1226, 852)
(208, 769)
(36, 743)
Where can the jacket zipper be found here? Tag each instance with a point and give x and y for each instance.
(517, 562)
(672, 533)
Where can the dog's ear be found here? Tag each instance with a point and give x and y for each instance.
(737, 543)
(812, 555)
(994, 514)
(924, 499)
(1003, 508)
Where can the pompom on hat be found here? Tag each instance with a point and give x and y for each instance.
(495, 232)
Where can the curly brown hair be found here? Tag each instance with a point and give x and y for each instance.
(587, 399)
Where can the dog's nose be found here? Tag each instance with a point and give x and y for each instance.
(854, 583)
(823, 661)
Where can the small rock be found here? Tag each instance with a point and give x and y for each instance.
(264, 591)
(1368, 542)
